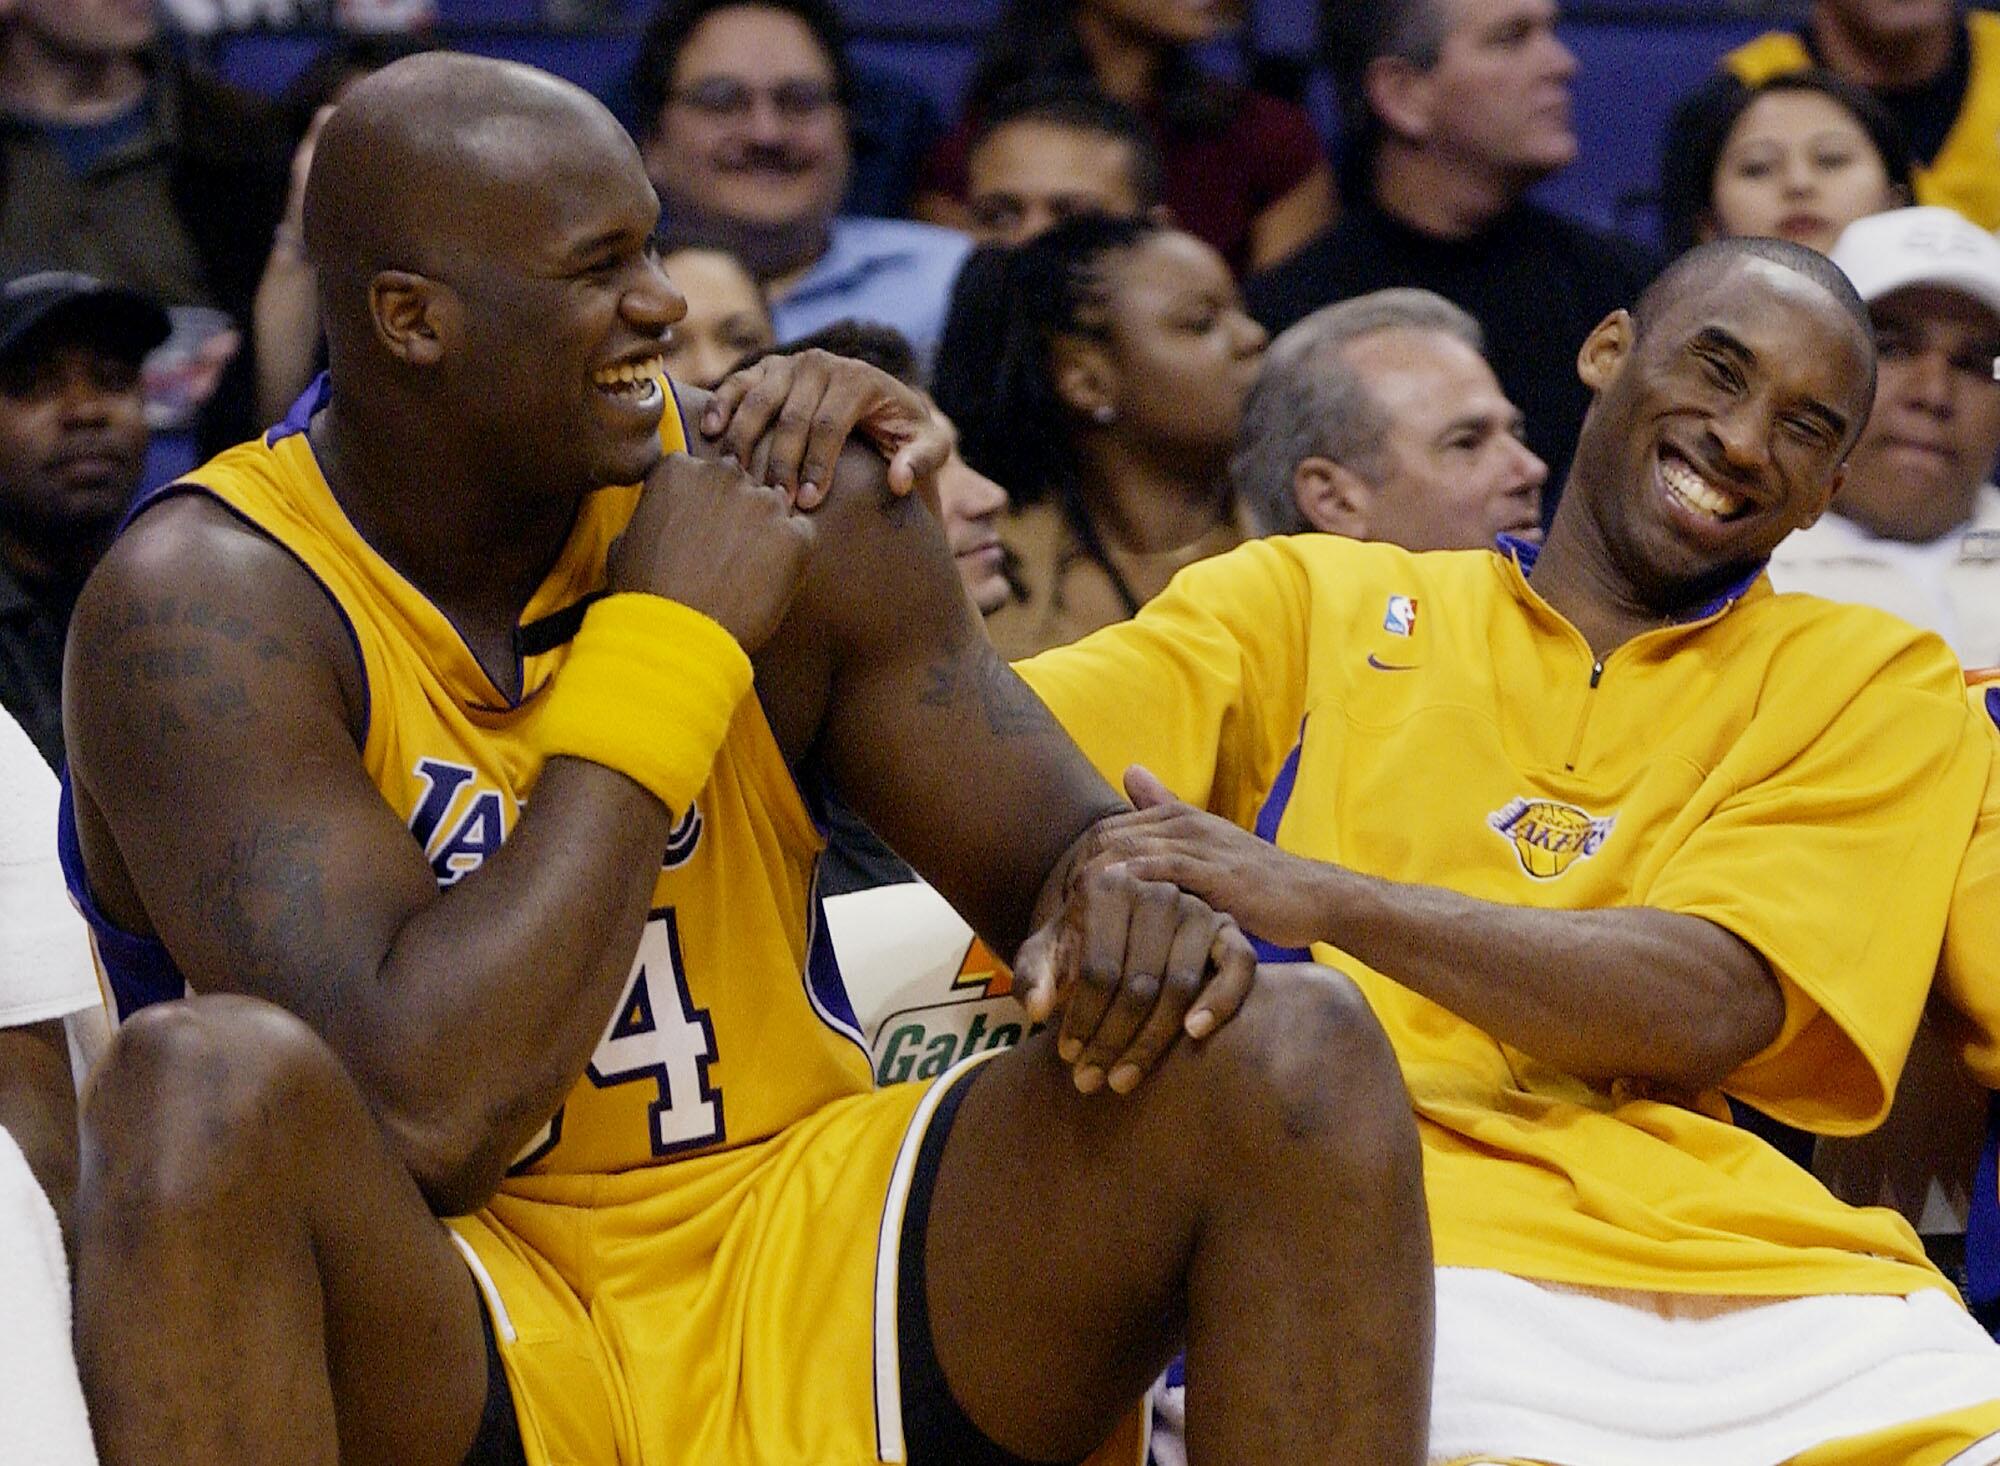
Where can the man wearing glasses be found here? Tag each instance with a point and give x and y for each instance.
(742, 121)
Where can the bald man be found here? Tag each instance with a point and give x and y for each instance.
(611, 1051)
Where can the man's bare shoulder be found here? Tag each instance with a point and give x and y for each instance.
(189, 584)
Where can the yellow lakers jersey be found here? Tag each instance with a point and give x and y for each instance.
(1965, 174)
(733, 1022)
(1801, 774)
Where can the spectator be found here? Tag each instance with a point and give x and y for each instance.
(47, 983)
(1099, 372)
(1915, 528)
(1603, 831)
(727, 321)
(1243, 171)
(742, 116)
(1800, 157)
(1933, 63)
(1048, 151)
(119, 160)
(290, 349)
(1453, 108)
(72, 449)
(971, 507)
(1379, 419)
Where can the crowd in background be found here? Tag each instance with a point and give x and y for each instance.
(1162, 311)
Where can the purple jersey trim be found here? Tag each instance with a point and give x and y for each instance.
(1269, 817)
(139, 969)
(1524, 553)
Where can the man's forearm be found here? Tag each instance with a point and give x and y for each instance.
(1628, 992)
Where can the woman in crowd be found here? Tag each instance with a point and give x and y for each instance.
(1099, 372)
(1799, 157)
(727, 320)
(1243, 171)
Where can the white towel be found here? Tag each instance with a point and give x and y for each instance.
(46, 969)
(1586, 1378)
(41, 1400)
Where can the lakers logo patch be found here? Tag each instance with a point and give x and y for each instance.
(1549, 836)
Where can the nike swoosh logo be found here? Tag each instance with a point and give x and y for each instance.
(1382, 666)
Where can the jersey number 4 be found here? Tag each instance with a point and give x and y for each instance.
(657, 1036)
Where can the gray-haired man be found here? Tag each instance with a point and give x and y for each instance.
(1379, 419)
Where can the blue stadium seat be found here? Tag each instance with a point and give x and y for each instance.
(1629, 77)
(264, 61)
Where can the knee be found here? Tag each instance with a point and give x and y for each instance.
(198, 1098)
(1305, 1067)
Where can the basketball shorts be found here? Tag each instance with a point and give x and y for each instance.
(739, 1309)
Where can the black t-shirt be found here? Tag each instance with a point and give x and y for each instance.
(1536, 282)
(31, 656)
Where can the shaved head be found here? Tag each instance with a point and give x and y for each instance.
(423, 163)
(482, 236)
(1702, 266)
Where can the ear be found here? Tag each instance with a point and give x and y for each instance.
(1333, 498)
(414, 316)
(1084, 377)
(1401, 96)
(1605, 349)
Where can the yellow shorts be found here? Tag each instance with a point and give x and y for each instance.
(737, 1309)
(1940, 1440)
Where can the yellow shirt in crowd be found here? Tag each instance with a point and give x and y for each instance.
(1965, 174)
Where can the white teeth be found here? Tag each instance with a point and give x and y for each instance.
(1695, 491)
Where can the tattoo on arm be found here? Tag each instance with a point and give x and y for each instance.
(170, 647)
(970, 669)
(266, 902)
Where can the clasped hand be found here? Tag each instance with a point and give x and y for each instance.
(1147, 947)
(1271, 892)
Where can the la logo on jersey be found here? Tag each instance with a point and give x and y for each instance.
(477, 823)
(682, 841)
(1401, 617)
(1549, 836)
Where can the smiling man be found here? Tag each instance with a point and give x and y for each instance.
(424, 742)
(742, 108)
(1601, 834)
(1915, 529)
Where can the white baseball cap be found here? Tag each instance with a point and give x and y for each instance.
(1920, 246)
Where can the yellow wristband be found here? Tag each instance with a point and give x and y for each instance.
(649, 689)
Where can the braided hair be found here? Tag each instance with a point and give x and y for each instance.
(995, 373)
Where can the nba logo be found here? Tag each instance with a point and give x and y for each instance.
(1401, 617)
